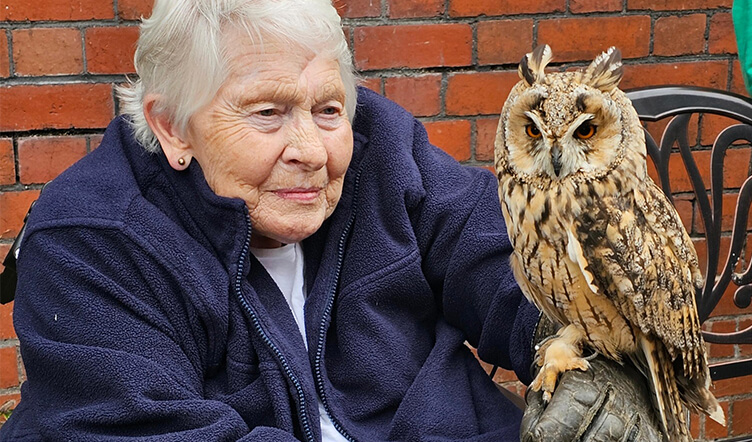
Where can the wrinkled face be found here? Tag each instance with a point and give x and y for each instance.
(560, 129)
(277, 136)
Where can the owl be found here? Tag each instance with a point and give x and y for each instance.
(598, 247)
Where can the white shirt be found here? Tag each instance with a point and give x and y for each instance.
(285, 265)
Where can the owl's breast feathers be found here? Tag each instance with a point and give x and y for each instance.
(608, 256)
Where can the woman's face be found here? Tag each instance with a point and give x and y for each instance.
(276, 135)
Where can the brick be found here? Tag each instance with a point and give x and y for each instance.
(504, 41)
(677, 172)
(7, 162)
(694, 426)
(479, 92)
(683, 205)
(504, 376)
(716, 351)
(415, 8)
(728, 202)
(419, 95)
(677, 5)
(741, 421)
(485, 137)
(47, 51)
(730, 387)
(3, 253)
(585, 38)
(13, 208)
(358, 8)
(413, 46)
(453, 137)
(56, 10)
(6, 313)
(585, 6)
(712, 125)
(4, 55)
(40, 159)
(373, 83)
(134, 9)
(472, 8)
(4, 248)
(714, 430)
(110, 50)
(13, 398)
(737, 81)
(745, 350)
(736, 163)
(56, 106)
(8, 367)
(702, 250)
(711, 74)
(95, 141)
(721, 38)
(690, 27)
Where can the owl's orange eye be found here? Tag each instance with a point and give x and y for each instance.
(585, 131)
(532, 131)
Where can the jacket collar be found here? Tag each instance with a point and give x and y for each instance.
(218, 223)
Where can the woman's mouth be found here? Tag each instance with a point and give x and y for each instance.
(301, 194)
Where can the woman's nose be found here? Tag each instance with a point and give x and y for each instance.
(305, 146)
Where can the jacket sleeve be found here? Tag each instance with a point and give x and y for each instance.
(466, 258)
(103, 358)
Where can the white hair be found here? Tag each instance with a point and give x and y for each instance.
(181, 58)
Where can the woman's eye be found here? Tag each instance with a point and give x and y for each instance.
(532, 131)
(585, 131)
(266, 112)
(329, 110)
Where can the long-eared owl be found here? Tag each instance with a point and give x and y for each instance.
(598, 246)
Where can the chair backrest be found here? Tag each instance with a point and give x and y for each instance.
(686, 108)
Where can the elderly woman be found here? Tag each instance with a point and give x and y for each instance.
(260, 251)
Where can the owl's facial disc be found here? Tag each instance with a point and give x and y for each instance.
(562, 130)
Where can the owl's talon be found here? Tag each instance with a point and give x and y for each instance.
(592, 356)
(542, 345)
(554, 356)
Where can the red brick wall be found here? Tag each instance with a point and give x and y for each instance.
(450, 62)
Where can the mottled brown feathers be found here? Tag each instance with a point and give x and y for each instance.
(598, 246)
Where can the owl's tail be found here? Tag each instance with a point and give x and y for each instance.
(666, 397)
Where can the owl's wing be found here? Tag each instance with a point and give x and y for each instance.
(641, 257)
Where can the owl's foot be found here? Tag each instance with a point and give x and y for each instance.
(555, 356)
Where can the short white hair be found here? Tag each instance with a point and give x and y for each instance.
(180, 54)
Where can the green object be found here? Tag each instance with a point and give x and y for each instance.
(742, 14)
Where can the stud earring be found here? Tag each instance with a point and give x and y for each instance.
(181, 161)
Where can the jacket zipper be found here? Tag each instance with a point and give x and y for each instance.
(327, 312)
(302, 413)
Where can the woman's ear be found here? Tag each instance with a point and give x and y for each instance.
(177, 150)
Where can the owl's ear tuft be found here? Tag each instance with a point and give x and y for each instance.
(605, 72)
(533, 64)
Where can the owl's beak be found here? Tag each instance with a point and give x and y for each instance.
(556, 159)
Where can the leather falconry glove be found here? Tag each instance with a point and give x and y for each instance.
(608, 402)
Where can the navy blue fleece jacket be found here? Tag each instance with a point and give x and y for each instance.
(141, 313)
